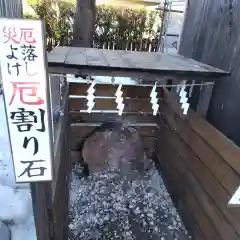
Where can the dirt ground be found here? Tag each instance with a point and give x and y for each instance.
(108, 206)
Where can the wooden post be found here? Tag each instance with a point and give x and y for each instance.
(55, 97)
(30, 166)
(41, 201)
(204, 100)
(55, 91)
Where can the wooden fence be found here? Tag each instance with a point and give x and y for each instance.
(145, 44)
(50, 200)
(202, 170)
(200, 165)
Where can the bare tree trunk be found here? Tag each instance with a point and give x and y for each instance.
(84, 22)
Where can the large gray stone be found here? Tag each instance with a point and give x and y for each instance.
(115, 146)
(4, 232)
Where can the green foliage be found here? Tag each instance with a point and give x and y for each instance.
(118, 25)
(30, 16)
(65, 22)
(32, 2)
(123, 25)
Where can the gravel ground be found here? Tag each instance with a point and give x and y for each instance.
(107, 205)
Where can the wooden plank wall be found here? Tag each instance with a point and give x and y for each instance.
(62, 168)
(50, 199)
(211, 34)
(137, 113)
(202, 171)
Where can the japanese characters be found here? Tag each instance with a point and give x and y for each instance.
(25, 89)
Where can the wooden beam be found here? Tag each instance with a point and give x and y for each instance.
(100, 62)
(131, 105)
(204, 100)
(78, 117)
(80, 89)
(41, 199)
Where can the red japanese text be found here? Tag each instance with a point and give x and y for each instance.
(17, 36)
(28, 93)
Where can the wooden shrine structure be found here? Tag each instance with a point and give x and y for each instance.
(199, 164)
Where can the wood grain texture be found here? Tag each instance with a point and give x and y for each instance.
(41, 210)
(130, 61)
(207, 180)
(83, 130)
(131, 105)
(75, 55)
(78, 117)
(80, 89)
(211, 34)
(217, 227)
(94, 58)
(60, 185)
(172, 182)
(175, 167)
(200, 135)
(58, 55)
(204, 100)
(207, 168)
(113, 59)
(222, 171)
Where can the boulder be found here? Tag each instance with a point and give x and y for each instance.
(114, 146)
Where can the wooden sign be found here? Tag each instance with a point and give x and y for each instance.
(26, 95)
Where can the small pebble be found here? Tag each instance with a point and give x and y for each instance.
(100, 206)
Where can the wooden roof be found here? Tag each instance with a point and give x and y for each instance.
(99, 62)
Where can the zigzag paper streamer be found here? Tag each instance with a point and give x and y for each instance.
(235, 200)
(178, 88)
(184, 100)
(154, 100)
(119, 100)
(90, 97)
(191, 89)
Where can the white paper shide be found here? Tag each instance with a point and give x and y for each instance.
(25, 90)
(235, 200)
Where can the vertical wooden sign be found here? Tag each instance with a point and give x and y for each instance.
(26, 95)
